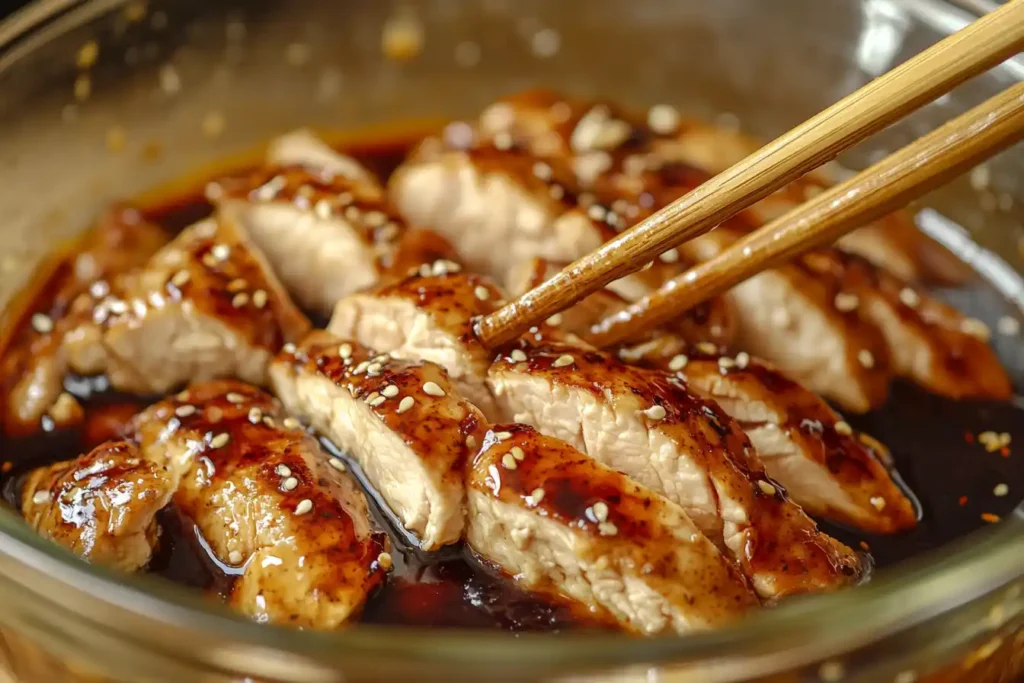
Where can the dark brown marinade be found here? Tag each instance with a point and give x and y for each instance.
(933, 441)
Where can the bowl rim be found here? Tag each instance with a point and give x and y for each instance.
(926, 587)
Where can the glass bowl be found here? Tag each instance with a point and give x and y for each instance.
(104, 99)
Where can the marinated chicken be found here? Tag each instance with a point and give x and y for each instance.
(404, 422)
(323, 223)
(205, 306)
(827, 467)
(101, 506)
(559, 522)
(428, 317)
(649, 426)
(269, 503)
(34, 363)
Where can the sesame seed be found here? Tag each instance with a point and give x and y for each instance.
(508, 461)
(910, 297)
(607, 529)
(830, 672)
(239, 300)
(432, 389)
(556, 191)
(40, 497)
(563, 361)
(305, 505)
(517, 355)
(866, 358)
(382, 358)
(597, 212)
(185, 411)
(255, 415)
(289, 484)
(707, 348)
(345, 350)
(471, 442)
(844, 428)
(542, 170)
(237, 285)
(1008, 326)
(291, 423)
(384, 561)
(766, 488)
(405, 404)
(269, 421)
(663, 119)
(235, 557)
(42, 323)
(846, 302)
(220, 440)
(600, 509)
(656, 412)
(975, 328)
(283, 471)
(724, 363)
(220, 251)
(181, 278)
(288, 348)
(517, 453)
(377, 401)
(374, 368)
(235, 397)
(259, 298)
(742, 359)
(1000, 490)
(878, 503)
(536, 496)
(390, 391)
(678, 363)
(337, 464)
(501, 436)
(361, 368)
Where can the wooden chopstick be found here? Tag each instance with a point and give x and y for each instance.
(986, 42)
(876, 191)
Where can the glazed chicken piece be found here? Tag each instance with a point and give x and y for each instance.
(553, 125)
(404, 422)
(427, 317)
(205, 306)
(827, 467)
(34, 363)
(323, 222)
(269, 503)
(101, 506)
(711, 321)
(559, 522)
(649, 426)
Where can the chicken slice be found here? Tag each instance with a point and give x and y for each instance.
(326, 235)
(711, 321)
(402, 421)
(427, 317)
(303, 148)
(827, 467)
(101, 506)
(793, 320)
(34, 362)
(649, 426)
(929, 342)
(559, 522)
(268, 502)
(205, 306)
(553, 125)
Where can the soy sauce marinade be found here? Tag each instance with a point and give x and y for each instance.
(934, 443)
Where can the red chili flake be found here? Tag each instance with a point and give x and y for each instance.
(963, 501)
(968, 437)
(1004, 451)
(989, 517)
(6, 467)
(865, 547)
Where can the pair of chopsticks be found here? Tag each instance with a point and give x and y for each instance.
(909, 173)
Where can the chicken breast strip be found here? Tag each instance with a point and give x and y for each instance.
(649, 426)
(269, 503)
(101, 506)
(34, 360)
(827, 467)
(561, 523)
(205, 306)
(404, 422)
